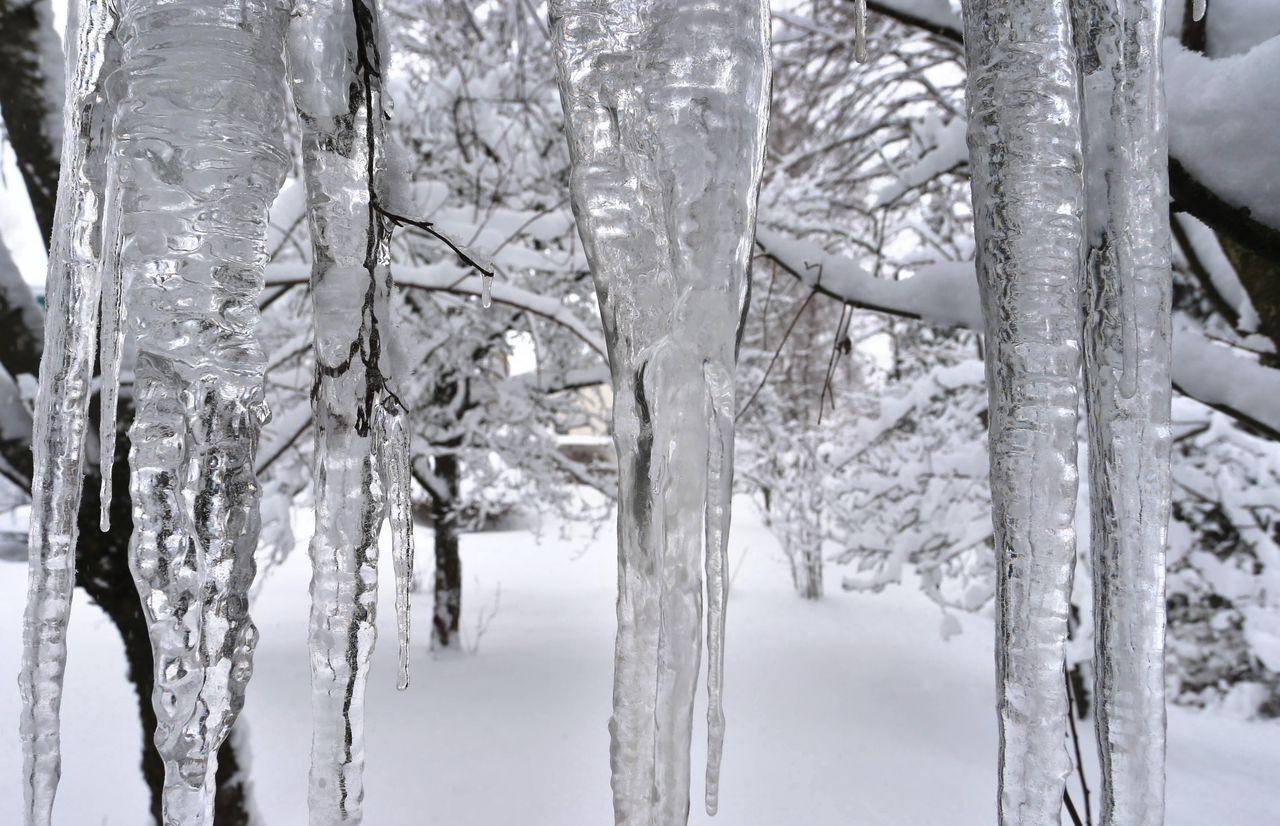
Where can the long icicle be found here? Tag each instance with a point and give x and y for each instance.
(393, 454)
(361, 461)
(1128, 395)
(666, 104)
(62, 406)
(113, 321)
(1025, 150)
(200, 156)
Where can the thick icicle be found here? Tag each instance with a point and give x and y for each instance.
(62, 405)
(361, 457)
(199, 158)
(1025, 150)
(1128, 394)
(666, 103)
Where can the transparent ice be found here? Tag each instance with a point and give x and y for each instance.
(666, 104)
(361, 454)
(198, 158)
(62, 406)
(1028, 191)
(1128, 393)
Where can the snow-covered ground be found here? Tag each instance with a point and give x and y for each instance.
(851, 710)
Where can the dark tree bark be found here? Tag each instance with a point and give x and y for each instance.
(25, 104)
(448, 574)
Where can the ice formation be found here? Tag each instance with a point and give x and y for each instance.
(666, 104)
(361, 454)
(1128, 395)
(198, 157)
(860, 31)
(1028, 191)
(62, 407)
(177, 115)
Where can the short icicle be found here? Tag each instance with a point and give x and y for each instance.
(1025, 146)
(361, 461)
(1128, 393)
(666, 104)
(199, 158)
(393, 444)
(860, 31)
(62, 405)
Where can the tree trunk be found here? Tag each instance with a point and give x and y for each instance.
(448, 576)
(27, 101)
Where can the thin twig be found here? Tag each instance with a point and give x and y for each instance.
(1075, 741)
(776, 353)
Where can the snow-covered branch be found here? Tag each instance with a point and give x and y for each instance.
(947, 295)
(1221, 188)
(448, 276)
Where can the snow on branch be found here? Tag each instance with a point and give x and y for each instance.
(1221, 177)
(448, 276)
(947, 295)
(1223, 115)
(944, 294)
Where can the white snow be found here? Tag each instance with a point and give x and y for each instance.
(849, 710)
(1214, 374)
(1222, 123)
(1236, 26)
(1205, 244)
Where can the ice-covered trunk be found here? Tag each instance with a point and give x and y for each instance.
(666, 104)
(361, 455)
(63, 403)
(198, 159)
(1028, 193)
(1128, 393)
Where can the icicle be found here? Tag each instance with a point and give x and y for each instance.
(1128, 394)
(720, 410)
(394, 437)
(1025, 152)
(1198, 8)
(114, 321)
(62, 405)
(196, 168)
(486, 290)
(860, 31)
(361, 460)
(666, 133)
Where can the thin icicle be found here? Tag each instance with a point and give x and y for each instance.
(860, 31)
(61, 414)
(394, 441)
(361, 459)
(720, 411)
(486, 290)
(1025, 152)
(1128, 394)
(196, 168)
(114, 322)
(666, 104)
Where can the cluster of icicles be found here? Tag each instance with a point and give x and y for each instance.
(174, 153)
